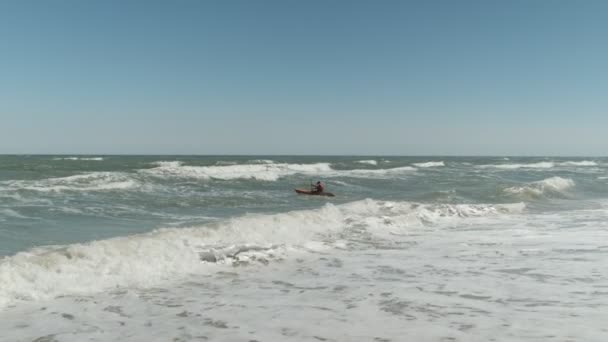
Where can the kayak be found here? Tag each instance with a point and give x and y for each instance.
(308, 192)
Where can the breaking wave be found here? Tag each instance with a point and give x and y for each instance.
(261, 161)
(379, 173)
(95, 181)
(79, 158)
(264, 171)
(554, 186)
(144, 260)
(430, 164)
(579, 163)
(116, 181)
(540, 165)
(370, 162)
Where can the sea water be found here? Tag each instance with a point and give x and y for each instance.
(220, 248)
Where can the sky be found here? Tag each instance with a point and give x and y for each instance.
(304, 77)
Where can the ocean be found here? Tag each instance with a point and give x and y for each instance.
(221, 248)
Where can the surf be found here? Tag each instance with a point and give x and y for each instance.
(147, 259)
(548, 187)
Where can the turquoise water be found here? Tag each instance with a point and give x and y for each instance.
(213, 247)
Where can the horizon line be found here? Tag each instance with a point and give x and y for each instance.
(301, 155)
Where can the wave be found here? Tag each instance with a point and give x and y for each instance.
(264, 172)
(144, 260)
(539, 165)
(80, 158)
(340, 183)
(6, 212)
(579, 163)
(370, 162)
(261, 161)
(224, 162)
(430, 164)
(554, 186)
(116, 181)
(94, 181)
(358, 173)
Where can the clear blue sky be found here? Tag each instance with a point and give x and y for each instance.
(304, 77)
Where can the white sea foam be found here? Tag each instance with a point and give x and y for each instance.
(264, 172)
(539, 165)
(145, 260)
(261, 161)
(431, 285)
(225, 162)
(430, 164)
(363, 173)
(94, 181)
(370, 162)
(549, 186)
(579, 163)
(168, 164)
(80, 158)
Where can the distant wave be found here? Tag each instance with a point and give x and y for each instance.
(540, 165)
(6, 212)
(224, 162)
(370, 162)
(94, 181)
(80, 158)
(373, 173)
(147, 259)
(263, 172)
(579, 163)
(430, 164)
(546, 187)
(116, 181)
(261, 161)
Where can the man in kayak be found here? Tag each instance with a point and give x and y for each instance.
(318, 188)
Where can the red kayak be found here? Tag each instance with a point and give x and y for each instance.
(308, 192)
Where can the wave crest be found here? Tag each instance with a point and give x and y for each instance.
(263, 172)
(430, 164)
(580, 163)
(539, 165)
(147, 259)
(547, 187)
(370, 162)
(94, 181)
(258, 171)
(80, 158)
